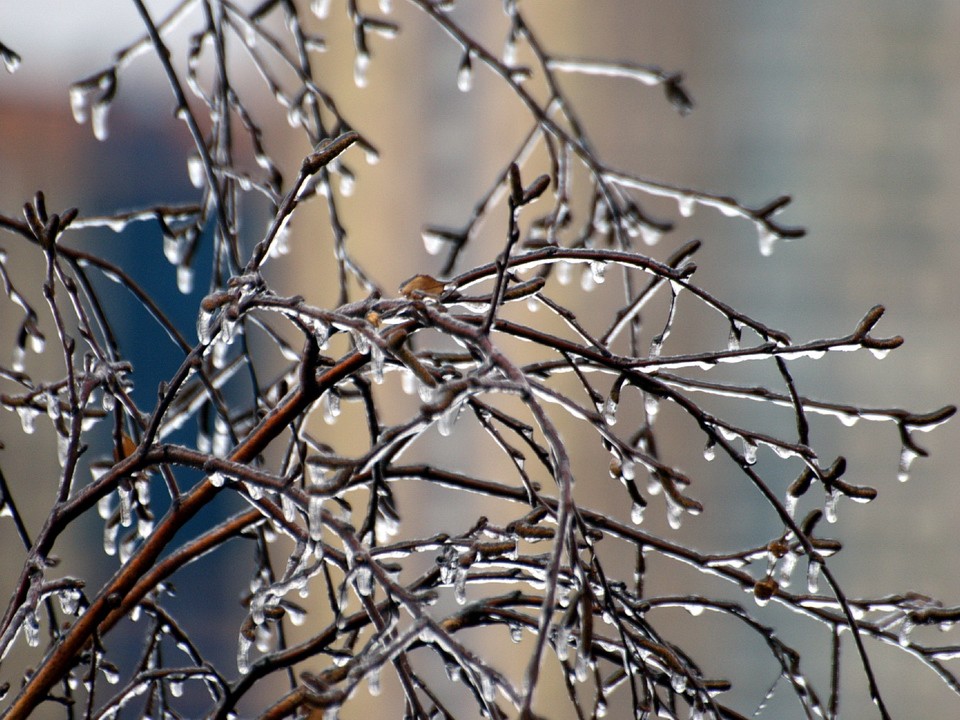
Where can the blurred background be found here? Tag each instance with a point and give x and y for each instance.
(852, 109)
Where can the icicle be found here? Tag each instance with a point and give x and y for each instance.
(465, 73)
(126, 505)
(315, 517)
(28, 416)
(331, 406)
(110, 538)
(830, 506)
(243, 654)
(377, 362)
(787, 565)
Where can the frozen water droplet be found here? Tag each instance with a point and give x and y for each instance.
(453, 671)
(678, 681)
(98, 120)
(610, 411)
(710, 450)
(289, 508)
(69, 600)
(767, 238)
(19, 355)
(386, 6)
(651, 235)
(364, 579)
(651, 405)
(347, 183)
(408, 382)
(903, 637)
(685, 203)
(28, 416)
(174, 249)
(373, 682)
(516, 633)
(320, 8)
(733, 341)
(830, 506)
(243, 654)
(79, 104)
(636, 513)
(195, 171)
(205, 326)
(434, 242)
(331, 406)
(849, 419)
(377, 362)
(104, 504)
(448, 419)
(564, 272)
(465, 73)
(598, 270)
(880, 353)
(360, 66)
(126, 505)
(674, 513)
(11, 60)
(217, 479)
(587, 280)
(907, 456)
(749, 452)
(31, 629)
(185, 279)
(813, 577)
(63, 445)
